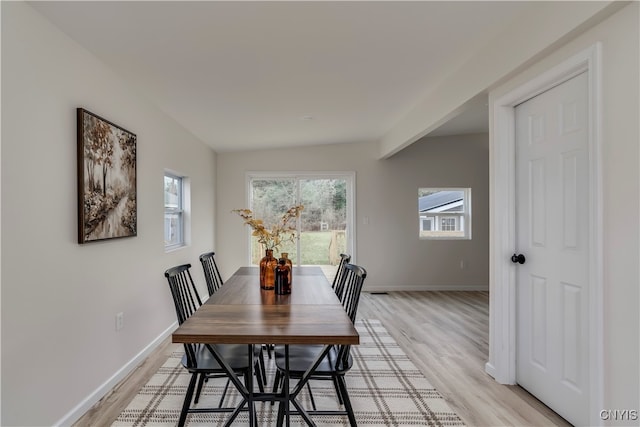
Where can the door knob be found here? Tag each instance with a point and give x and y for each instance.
(518, 259)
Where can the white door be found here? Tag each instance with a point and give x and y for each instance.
(553, 235)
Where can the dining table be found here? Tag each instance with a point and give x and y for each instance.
(241, 312)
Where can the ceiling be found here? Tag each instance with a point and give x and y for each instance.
(250, 75)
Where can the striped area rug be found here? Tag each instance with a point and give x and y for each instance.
(385, 387)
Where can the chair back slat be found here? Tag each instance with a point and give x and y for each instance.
(339, 279)
(211, 272)
(353, 281)
(184, 292)
(186, 300)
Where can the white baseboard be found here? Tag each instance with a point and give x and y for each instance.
(490, 369)
(383, 288)
(101, 391)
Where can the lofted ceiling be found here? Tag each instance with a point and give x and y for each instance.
(250, 75)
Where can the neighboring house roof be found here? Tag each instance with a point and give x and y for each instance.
(440, 201)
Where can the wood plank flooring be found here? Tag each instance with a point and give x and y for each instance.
(444, 333)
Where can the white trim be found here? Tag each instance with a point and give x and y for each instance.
(446, 207)
(407, 288)
(82, 407)
(350, 177)
(490, 369)
(502, 327)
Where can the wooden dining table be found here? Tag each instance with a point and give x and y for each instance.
(240, 312)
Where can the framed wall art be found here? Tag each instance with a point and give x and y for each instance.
(107, 195)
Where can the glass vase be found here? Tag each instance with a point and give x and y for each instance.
(283, 272)
(285, 255)
(267, 270)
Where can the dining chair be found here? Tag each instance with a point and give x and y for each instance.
(198, 359)
(211, 273)
(338, 361)
(338, 278)
(312, 350)
(214, 282)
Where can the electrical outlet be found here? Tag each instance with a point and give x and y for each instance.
(462, 264)
(119, 321)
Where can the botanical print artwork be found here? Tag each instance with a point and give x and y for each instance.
(106, 179)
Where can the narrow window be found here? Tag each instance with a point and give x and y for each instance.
(444, 213)
(173, 211)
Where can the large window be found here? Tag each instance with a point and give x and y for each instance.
(444, 213)
(173, 211)
(325, 226)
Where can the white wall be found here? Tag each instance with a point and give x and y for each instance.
(59, 299)
(620, 37)
(386, 192)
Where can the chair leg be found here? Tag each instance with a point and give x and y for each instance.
(347, 402)
(280, 418)
(263, 370)
(187, 400)
(245, 375)
(313, 402)
(276, 384)
(224, 393)
(261, 376)
(338, 393)
(200, 384)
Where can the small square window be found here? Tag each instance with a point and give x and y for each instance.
(444, 213)
(448, 224)
(173, 211)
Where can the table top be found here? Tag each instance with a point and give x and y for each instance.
(242, 313)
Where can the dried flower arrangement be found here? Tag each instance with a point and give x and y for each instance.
(279, 233)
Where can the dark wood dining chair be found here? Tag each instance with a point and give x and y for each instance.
(198, 359)
(338, 361)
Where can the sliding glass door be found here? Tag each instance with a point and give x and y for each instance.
(325, 227)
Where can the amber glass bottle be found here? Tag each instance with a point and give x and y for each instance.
(285, 255)
(282, 278)
(267, 270)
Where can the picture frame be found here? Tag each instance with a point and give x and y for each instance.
(107, 183)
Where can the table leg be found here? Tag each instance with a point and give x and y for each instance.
(283, 407)
(290, 397)
(246, 393)
(286, 384)
(249, 380)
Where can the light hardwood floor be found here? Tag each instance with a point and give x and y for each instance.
(446, 334)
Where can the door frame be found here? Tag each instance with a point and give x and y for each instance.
(502, 310)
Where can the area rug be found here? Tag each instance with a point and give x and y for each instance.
(385, 387)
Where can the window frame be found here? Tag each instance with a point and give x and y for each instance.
(180, 211)
(435, 217)
(445, 223)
